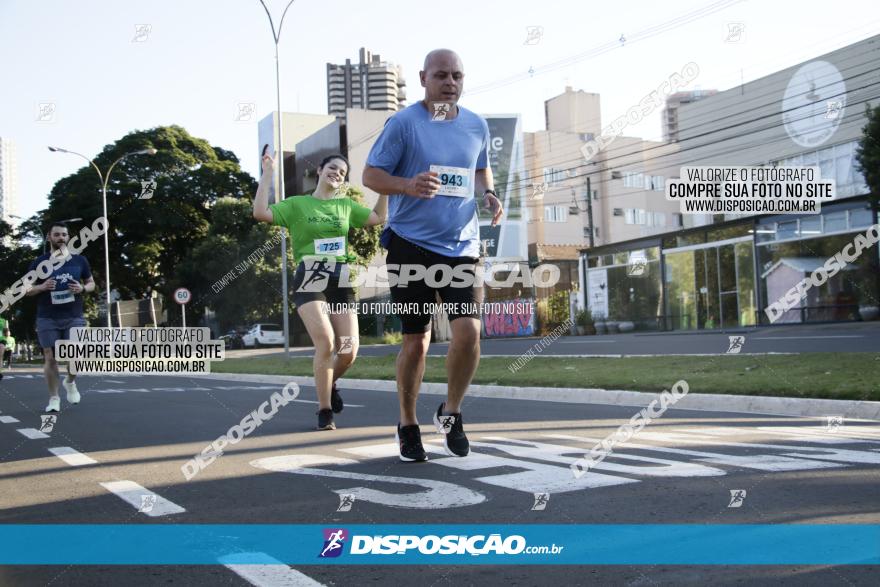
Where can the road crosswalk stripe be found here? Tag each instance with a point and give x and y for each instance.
(135, 494)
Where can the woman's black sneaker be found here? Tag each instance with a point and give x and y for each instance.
(450, 426)
(325, 419)
(409, 438)
(336, 400)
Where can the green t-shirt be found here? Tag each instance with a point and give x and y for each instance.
(319, 228)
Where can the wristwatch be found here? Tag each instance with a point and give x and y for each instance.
(490, 192)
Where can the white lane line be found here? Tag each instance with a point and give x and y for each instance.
(272, 572)
(113, 381)
(311, 401)
(134, 494)
(72, 457)
(32, 433)
(800, 337)
(585, 341)
(8, 420)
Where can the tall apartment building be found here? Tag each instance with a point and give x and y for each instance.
(371, 84)
(669, 116)
(8, 180)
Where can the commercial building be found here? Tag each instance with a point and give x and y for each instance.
(723, 270)
(370, 84)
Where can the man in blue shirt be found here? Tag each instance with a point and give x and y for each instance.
(432, 158)
(60, 308)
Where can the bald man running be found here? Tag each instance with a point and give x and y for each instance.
(433, 160)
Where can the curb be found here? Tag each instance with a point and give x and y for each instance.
(704, 402)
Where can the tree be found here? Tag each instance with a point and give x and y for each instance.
(868, 155)
(236, 269)
(149, 237)
(364, 241)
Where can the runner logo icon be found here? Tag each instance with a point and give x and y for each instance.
(334, 541)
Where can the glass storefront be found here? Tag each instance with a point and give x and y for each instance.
(710, 287)
(709, 281)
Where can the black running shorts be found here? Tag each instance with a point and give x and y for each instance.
(459, 301)
(318, 281)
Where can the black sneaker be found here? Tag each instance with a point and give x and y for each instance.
(450, 426)
(336, 400)
(325, 420)
(409, 438)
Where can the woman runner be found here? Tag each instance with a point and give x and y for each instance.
(318, 225)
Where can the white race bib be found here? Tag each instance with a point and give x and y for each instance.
(65, 296)
(330, 246)
(454, 181)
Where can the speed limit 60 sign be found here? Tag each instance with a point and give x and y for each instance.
(182, 295)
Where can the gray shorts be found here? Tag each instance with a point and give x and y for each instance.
(51, 329)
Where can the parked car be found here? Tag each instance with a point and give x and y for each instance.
(233, 339)
(263, 335)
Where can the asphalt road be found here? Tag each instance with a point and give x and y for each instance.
(683, 468)
(848, 338)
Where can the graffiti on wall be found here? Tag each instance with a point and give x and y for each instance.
(510, 318)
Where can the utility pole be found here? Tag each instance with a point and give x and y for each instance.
(590, 213)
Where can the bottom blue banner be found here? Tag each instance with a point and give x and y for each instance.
(746, 544)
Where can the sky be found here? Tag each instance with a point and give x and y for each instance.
(197, 59)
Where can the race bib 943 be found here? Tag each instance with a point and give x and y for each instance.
(330, 246)
(454, 181)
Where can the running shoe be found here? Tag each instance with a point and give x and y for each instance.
(409, 438)
(325, 419)
(72, 392)
(336, 399)
(450, 426)
(54, 404)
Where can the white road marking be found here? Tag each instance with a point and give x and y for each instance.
(72, 457)
(113, 381)
(758, 462)
(438, 494)
(268, 572)
(32, 433)
(585, 341)
(132, 493)
(8, 420)
(802, 337)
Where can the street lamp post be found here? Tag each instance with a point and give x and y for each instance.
(279, 181)
(105, 178)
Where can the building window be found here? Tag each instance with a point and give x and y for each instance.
(553, 176)
(555, 213)
(635, 216)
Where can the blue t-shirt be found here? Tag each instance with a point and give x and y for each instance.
(62, 303)
(410, 144)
